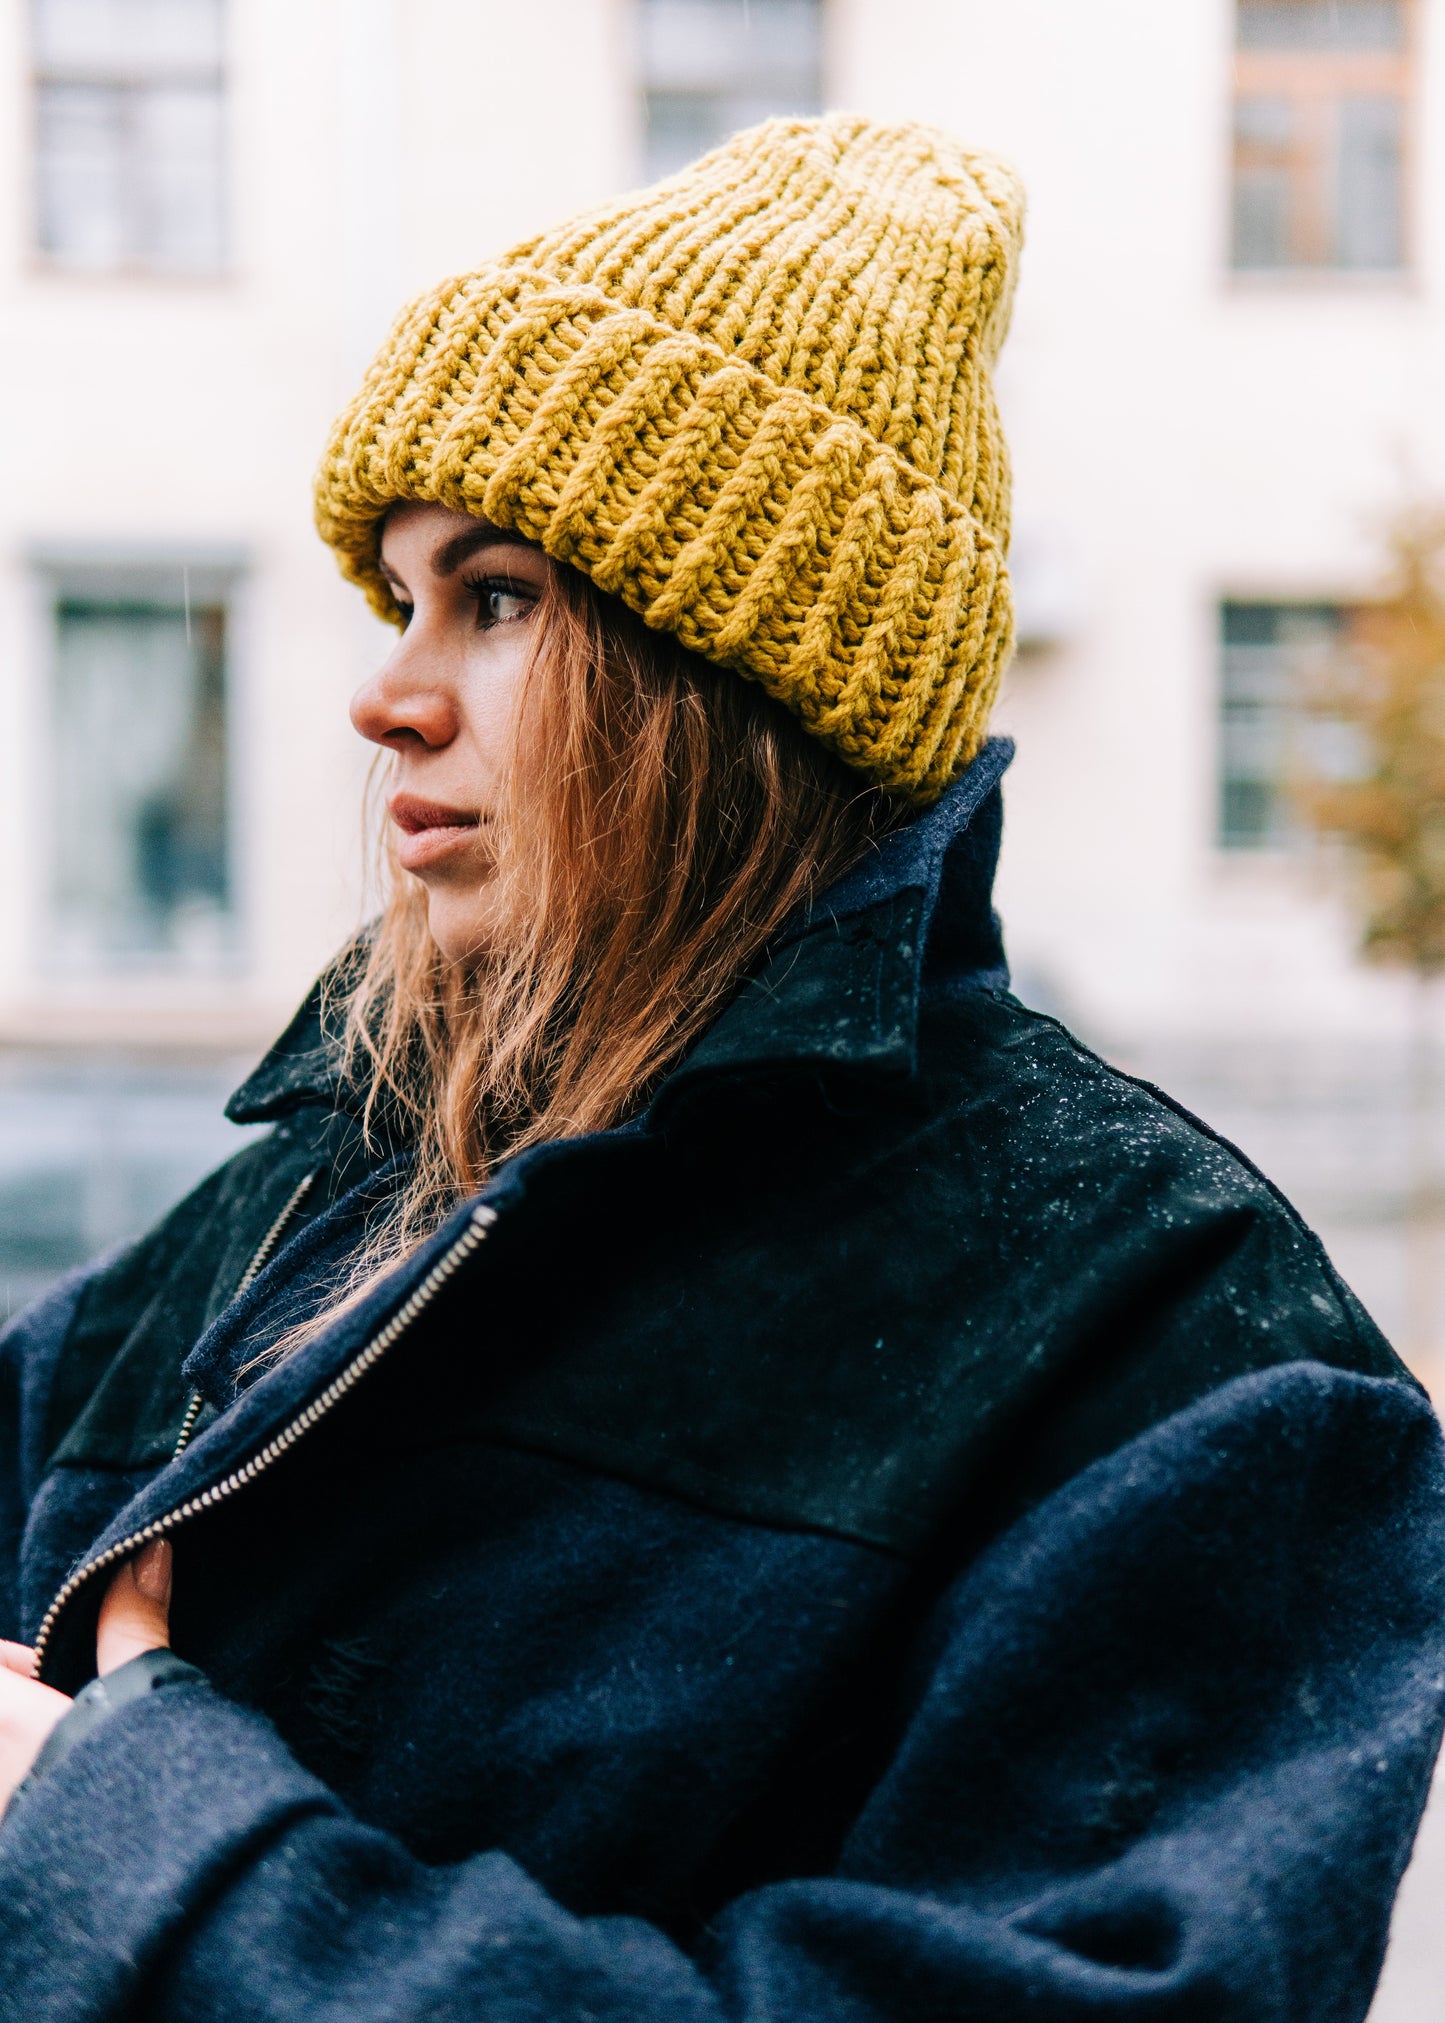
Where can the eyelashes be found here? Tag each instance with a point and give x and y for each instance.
(500, 600)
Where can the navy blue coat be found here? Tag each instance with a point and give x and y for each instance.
(910, 1527)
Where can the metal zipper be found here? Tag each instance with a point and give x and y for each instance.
(480, 1222)
(248, 1278)
(188, 1424)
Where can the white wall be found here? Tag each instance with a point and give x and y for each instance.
(1179, 435)
(170, 417)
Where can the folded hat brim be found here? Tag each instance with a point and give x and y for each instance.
(762, 529)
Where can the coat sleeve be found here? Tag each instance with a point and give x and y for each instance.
(1168, 1746)
(30, 1349)
(56, 1351)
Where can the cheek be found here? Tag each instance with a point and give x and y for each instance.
(494, 679)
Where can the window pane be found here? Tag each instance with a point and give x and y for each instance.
(177, 178)
(1265, 650)
(1263, 181)
(80, 178)
(683, 125)
(709, 45)
(127, 38)
(710, 67)
(1368, 188)
(680, 126)
(1321, 24)
(139, 784)
(1261, 218)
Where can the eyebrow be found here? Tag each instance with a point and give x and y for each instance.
(450, 556)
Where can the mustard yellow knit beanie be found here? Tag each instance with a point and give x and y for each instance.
(754, 402)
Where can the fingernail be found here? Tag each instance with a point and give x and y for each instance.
(151, 1571)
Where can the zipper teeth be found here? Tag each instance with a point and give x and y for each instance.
(273, 1235)
(249, 1276)
(188, 1424)
(481, 1221)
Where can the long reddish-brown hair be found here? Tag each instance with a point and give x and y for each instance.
(662, 817)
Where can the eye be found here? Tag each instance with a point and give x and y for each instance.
(404, 611)
(500, 600)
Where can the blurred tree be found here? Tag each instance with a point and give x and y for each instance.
(1369, 774)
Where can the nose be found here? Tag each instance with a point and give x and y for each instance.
(407, 702)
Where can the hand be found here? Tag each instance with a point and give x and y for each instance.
(28, 1712)
(134, 1617)
(136, 1613)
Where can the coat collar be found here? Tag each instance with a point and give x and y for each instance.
(839, 986)
(842, 985)
(304, 1066)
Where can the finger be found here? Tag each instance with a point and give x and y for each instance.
(17, 1658)
(152, 1570)
(135, 1615)
(28, 1712)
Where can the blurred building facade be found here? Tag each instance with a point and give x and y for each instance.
(1225, 373)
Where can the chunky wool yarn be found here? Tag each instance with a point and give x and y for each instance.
(755, 403)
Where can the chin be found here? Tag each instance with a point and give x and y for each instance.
(459, 930)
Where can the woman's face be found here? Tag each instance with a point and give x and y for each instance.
(443, 702)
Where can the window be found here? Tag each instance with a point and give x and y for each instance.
(1268, 650)
(129, 110)
(1321, 102)
(139, 863)
(710, 67)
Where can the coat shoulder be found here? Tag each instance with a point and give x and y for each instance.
(1111, 1160)
(937, 1298)
(1003, 1067)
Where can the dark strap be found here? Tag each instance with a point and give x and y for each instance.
(101, 1698)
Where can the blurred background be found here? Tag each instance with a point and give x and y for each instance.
(1225, 384)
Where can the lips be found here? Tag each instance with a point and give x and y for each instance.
(411, 813)
(429, 829)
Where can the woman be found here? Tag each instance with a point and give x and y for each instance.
(711, 1464)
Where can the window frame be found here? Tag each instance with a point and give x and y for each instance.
(1316, 78)
(215, 577)
(1332, 612)
(54, 265)
(733, 84)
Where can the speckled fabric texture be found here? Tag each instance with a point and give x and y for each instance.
(911, 1527)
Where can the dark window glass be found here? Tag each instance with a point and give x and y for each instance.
(709, 67)
(1266, 650)
(138, 735)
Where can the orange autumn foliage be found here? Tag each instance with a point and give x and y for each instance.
(1387, 689)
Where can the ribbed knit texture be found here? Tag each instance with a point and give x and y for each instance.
(754, 402)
